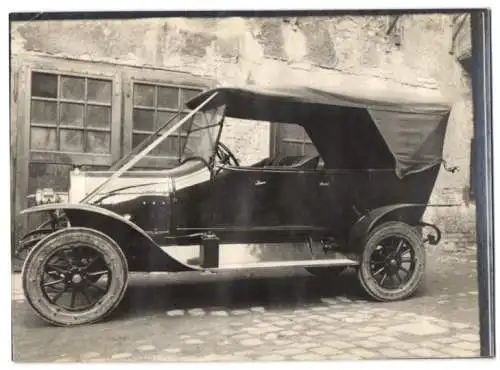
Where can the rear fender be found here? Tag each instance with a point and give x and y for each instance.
(408, 213)
(141, 251)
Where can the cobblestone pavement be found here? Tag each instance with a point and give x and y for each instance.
(267, 315)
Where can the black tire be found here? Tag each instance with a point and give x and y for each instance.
(390, 242)
(326, 272)
(55, 257)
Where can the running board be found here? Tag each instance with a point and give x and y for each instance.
(302, 263)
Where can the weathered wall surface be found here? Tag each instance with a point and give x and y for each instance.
(308, 50)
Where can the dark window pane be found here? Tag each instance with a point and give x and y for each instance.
(310, 149)
(71, 114)
(71, 141)
(98, 142)
(144, 95)
(43, 139)
(291, 148)
(98, 116)
(44, 112)
(188, 95)
(143, 120)
(99, 90)
(163, 117)
(137, 139)
(168, 97)
(293, 131)
(44, 85)
(73, 88)
(167, 148)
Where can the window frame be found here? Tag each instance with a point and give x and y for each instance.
(77, 69)
(157, 78)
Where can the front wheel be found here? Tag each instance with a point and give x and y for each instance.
(75, 276)
(393, 262)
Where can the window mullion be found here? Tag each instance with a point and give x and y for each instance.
(84, 131)
(58, 113)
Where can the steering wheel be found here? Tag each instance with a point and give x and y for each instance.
(197, 158)
(226, 156)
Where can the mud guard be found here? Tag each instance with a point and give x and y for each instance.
(143, 253)
(367, 222)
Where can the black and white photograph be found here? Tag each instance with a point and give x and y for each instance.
(261, 187)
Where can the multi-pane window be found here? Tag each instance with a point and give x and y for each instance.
(153, 106)
(70, 114)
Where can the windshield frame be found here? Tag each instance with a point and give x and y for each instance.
(146, 146)
(215, 123)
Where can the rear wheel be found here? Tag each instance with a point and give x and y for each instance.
(75, 276)
(393, 262)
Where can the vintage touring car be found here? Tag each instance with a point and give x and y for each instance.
(358, 201)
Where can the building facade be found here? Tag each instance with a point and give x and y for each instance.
(85, 92)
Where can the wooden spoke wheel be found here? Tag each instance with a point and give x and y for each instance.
(75, 276)
(393, 262)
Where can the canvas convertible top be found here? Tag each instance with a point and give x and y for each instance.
(339, 119)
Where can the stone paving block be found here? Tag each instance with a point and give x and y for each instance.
(308, 357)
(65, 359)
(290, 351)
(382, 338)
(251, 342)
(219, 313)
(147, 347)
(371, 329)
(90, 355)
(364, 353)
(196, 312)
(459, 325)
(430, 344)
(258, 309)
(282, 342)
(468, 337)
(368, 344)
(174, 313)
(271, 358)
(172, 350)
(194, 341)
(342, 332)
(303, 345)
(424, 352)
(338, 344)
(392, 353)
(445, 340)
(282, 322)
(420, 327)
(120, 356)
(325, 351)
(469, 346)
(239, 312)
(288, 333)
(270, 336)
(320, 309)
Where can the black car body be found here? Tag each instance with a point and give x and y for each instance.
(361, 198)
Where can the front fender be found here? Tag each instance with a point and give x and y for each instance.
(142, 252)
(69, 208)
(368, 221)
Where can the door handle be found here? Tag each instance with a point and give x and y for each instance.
(260, 182)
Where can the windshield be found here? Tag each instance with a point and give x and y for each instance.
(202, 133)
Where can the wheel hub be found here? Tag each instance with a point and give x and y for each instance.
(76, 279)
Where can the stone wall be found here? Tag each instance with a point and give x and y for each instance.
(410, 50)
